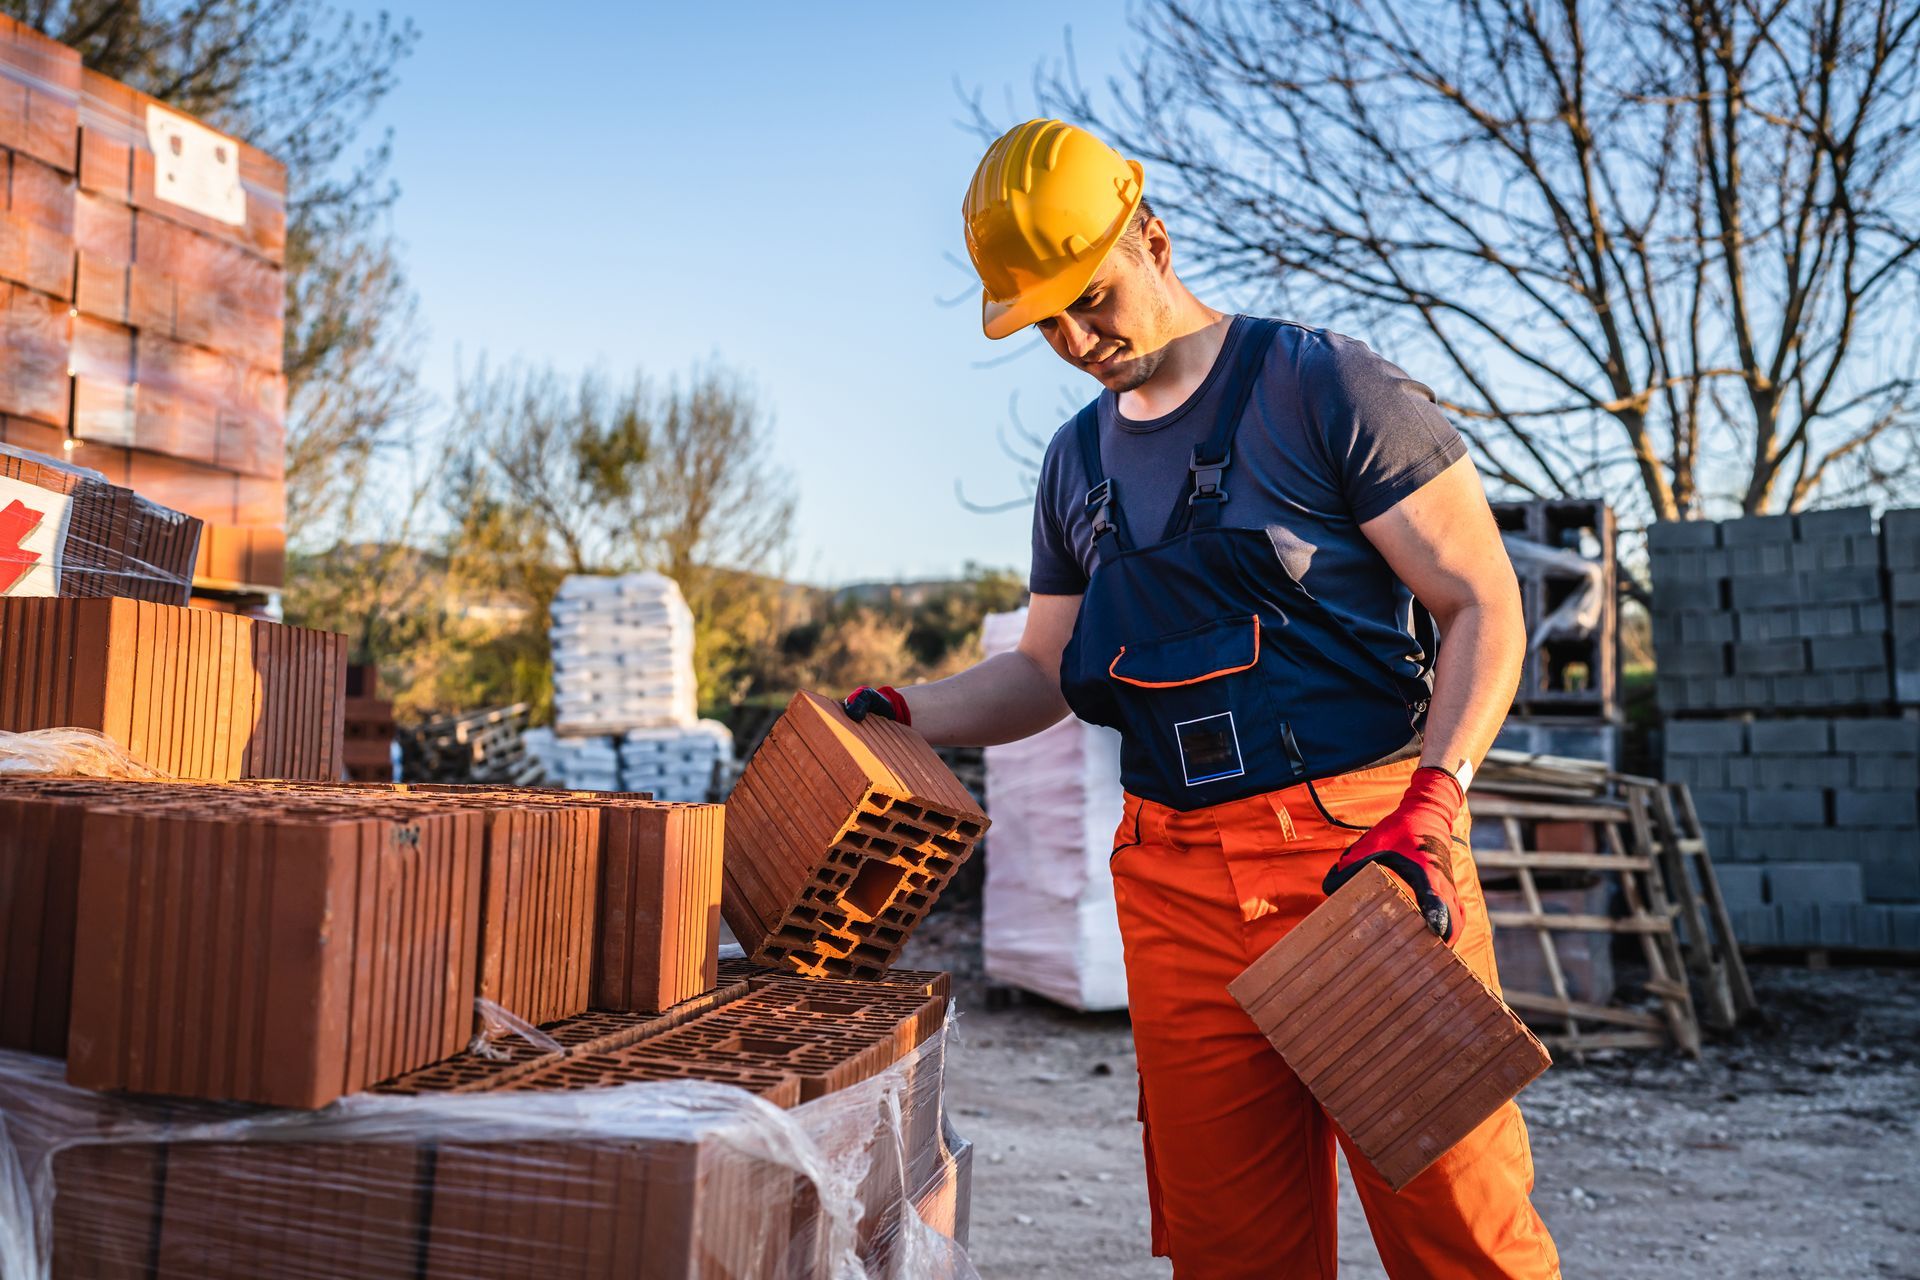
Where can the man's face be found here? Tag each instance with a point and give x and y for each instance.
(1118, 329)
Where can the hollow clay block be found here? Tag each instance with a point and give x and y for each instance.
(1403, 1044)
(839, 837)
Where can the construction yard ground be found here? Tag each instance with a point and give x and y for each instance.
(1789, 1150)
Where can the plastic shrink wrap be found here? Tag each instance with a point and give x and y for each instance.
(682, 1179)
(69, 531)
(1049, 922)
(622, 655)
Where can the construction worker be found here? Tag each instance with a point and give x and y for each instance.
(1240, 548)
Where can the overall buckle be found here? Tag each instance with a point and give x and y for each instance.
(1100, 504)
(1207, 477)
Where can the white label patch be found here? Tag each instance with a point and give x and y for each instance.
(196, 168)
(33, 534)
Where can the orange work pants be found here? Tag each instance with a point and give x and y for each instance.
(1240, 1166)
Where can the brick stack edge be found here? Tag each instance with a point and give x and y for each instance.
(142, 330)
(839, 838)
(191, 693)
(1360, 990)
(1788, 655)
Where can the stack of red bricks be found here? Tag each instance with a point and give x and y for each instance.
(287, 943)
(142, 301)
(369, 727)
(191, 693)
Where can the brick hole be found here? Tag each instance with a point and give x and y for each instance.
(967, 830)
(741, 1042)
(838, 1008)
(901, 809)
(871, 889)
(833, 919)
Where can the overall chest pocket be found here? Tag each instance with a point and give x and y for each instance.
(1199, 703)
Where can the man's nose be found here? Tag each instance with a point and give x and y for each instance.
(1078, 339)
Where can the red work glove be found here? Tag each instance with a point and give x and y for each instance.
(883, 701)
(1415, 842)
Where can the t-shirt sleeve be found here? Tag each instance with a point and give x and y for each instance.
(1385, 435)
(1056, 570)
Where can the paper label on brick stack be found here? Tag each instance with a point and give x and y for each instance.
(622, 655)
(1049, 924)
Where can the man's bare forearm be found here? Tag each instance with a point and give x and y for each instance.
(1004, 699)
(1474, 682)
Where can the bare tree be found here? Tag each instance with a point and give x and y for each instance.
(301, 79)
(1660, 249)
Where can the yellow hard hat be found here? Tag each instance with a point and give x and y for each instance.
(1047, 204)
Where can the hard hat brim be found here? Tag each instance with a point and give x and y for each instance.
(1051, 297)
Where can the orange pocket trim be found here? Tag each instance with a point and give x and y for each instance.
(1175, 684)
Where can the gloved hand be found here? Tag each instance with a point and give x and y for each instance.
(1415, 842)
(882, 701)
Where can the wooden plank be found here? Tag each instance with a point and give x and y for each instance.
(1493, 805)
(1727, 947)
(1594, 1040)
(1534, 1002)
(1506, 859)
(1662, 951)
(1530, 893)
(1578, 923)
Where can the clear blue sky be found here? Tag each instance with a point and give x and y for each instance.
(775, 186)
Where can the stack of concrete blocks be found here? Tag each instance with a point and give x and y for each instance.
(582, 764)
(1048, 923)
(675, 763)
(1770, 612)
(1900, 539)
(1813, 823)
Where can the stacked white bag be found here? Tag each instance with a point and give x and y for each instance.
(675, 764)
(1049, 922)
(622, 655)
(625, 712)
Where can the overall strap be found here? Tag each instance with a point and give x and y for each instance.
(1211, 460)
(1102, 502)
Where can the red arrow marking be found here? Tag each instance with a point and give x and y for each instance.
(16, 522)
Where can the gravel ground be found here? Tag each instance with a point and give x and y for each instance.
(1788, 1151)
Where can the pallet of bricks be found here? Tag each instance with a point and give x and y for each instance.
(259, 1026)
(1568, 703)
(142, 303)
(1777, 642)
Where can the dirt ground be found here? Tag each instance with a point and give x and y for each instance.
(1790, 1150)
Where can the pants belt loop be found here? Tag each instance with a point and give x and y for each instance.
(1280, 811)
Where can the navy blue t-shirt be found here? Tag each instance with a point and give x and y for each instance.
(1332, 436)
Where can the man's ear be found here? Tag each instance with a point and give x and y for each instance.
(1158, 245)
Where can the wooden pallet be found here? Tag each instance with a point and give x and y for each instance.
(1664, 813)
(1584, 1026)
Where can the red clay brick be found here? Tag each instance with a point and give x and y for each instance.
(839, 838)
(1406, 1048)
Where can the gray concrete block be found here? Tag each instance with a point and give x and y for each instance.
(1850, 653)
(1863, 550)
(1889, 876)
(1716, 627)
(1697, 771)
(1789, 808)
(1742, 885)
(1845, 586)
(1834, 520)
(1877, 734)
(1798, 924)
(1769, 657)
(1903, 586)
(1808, 736)
(1757, 926)
(1664, 534)
(1835, 925)
(1742, 772)
(1693, 660)
(1767, 588)
(1872, 688)
(1752, 530)
(1872, 928)
(1706, 737)
(1870, 615)
(1790, 882)
(1767, 624)
(1766, 560)
(1903, 924)
(1746, 692)
(1671, 693)
(1875, 808)
(1874, 772)
(1805, 773)
(1720, 806)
